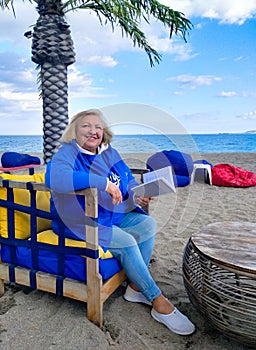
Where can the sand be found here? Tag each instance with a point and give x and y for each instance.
(37, 320)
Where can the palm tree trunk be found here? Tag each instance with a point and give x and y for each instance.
(55, 106)
(52, 49)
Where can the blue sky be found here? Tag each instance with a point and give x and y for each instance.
(206, 85)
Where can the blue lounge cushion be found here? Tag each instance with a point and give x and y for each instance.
(15, 159)
(74, 265)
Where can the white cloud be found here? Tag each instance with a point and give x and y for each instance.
(23, 101)
(178, 93)
(228, 94)
(228, 11)
(18, 88)
(180, 51)
(105, 61)
(9, 93)
(93, 40)
(15, 26)
(82, 85)
(248, 116)
(238, 58)
(194, 81)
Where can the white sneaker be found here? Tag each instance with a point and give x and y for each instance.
(175, 321)
(135, 297)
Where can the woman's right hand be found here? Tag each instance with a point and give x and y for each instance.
(114, 192)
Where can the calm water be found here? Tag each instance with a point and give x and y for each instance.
(150, 143)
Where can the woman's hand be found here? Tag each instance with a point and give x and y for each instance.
(114, 192)
(142, 201)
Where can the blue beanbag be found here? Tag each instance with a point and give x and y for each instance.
(14, 159)
(182, 165)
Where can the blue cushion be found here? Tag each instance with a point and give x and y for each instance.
(74, 265)
(14, 159)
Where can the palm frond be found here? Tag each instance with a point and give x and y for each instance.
(129, 14)
(7, 4)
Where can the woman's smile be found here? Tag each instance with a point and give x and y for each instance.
(89, 133)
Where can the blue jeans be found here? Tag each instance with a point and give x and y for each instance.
(132, 244)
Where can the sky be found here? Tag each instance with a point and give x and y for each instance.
(205, 85)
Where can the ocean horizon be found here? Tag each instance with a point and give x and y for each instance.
(147, 143)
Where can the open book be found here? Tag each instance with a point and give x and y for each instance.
(156, 183)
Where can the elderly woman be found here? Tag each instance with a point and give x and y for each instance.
(86, 159)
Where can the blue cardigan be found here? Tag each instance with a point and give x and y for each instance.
(71, 170)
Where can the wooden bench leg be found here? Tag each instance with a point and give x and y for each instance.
(94, 288)
(1, 281)
(1, 287)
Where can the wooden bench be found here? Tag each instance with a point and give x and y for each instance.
(95, 290)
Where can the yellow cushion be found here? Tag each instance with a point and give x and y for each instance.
(52, 238)
(21, 196)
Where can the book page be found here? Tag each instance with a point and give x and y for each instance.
(156, 183)
(165, 173)
(153, 188)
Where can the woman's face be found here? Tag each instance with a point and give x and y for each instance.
(89, 132)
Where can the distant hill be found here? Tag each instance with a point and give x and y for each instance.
(250, 132)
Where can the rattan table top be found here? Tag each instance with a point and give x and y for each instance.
(228, 243)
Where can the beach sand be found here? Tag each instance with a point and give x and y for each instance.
(37, 320)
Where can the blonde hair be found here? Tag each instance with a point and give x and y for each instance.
(70, 131)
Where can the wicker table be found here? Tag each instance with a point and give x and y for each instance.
(219, 271)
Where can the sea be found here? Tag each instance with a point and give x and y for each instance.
(194, 143)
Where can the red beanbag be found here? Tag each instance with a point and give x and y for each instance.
(229, 175)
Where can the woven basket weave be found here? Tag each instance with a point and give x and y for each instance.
(225, 297)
